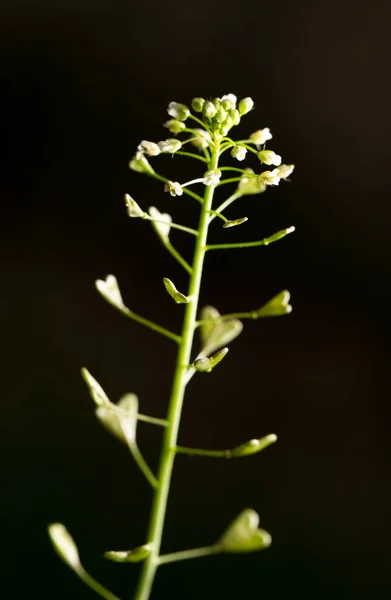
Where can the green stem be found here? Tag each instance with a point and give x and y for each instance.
(191, 155)
(167, 456)
(152, 420)
(265, 242)
(150, 325)
(225, 205)
(201, 452)
(173, 225)
(142, 465)
(186, 554)
(95, 585)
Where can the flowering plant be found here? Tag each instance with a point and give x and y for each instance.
(214, 120)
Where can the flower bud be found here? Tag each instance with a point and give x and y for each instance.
(174, 188)
(229, 101)
(197, 104)
(175, 126)
(149, 148)
(140, 164)
(178, 111)
(216, 103)
(209, 110)
(212, 177)
(261, 136)
(64, 545)
(239, 152)
(245, 105)
(202, 137)
(221, 115)
(285, 170)
(268, 157)
(171, 145)
(235, 116)
(133, 208)
(269, 177)
(226, 125)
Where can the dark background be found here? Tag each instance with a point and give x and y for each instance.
(81, 83)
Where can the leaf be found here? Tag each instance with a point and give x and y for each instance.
(109, 289)
(162, 229)
(177, 296)
(216, 333)
(136, 555)
(64, 545)
(277, 306)
(243, 534)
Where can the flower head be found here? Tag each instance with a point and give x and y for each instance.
(261, 136)
(178, 111)
(149, 148)
(239, 152)
(171, 145)
(212, 177)
(268, 157)
(174, 188)
(269, 177)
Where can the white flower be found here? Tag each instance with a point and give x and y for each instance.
(269, 177)
(245, 105)
(285, 170)
(239, 152)
(178, 111)
(212, 177)
(171, 145)
(202, 138)
(261, 136)
(268, 157)
(174, 188)
(149, 148)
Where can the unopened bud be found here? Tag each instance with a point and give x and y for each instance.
(209, 110)
(201, 139)
(171, 145)
(239, 152)
(235, 116)
(285, 170)
(197, 104)
(268, 157)
(261, 136)
(245, 105)
(221, 115)
(149, 148)
(175, 126)
(212, 177)
(178, 111)
(229, 101)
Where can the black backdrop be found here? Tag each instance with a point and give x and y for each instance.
(81, 83)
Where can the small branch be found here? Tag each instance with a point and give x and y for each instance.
(178, 257)
(265, 242)
(230, 180)
(152, 420)
(243, 171)
(216, 213)
(95, 585)
(141, 463)
(225, 205)
(185, 190)
(203, 125)
(173, 225)
(186, 554)
(191, 155)
(200, 452)
(150, 324)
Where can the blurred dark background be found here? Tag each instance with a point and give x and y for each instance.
(81, 83)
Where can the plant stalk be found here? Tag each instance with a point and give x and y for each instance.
(167, 456)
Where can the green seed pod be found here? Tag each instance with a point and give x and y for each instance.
(243, 534)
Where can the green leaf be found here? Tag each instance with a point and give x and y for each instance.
(64, 545)
(177, 296)
(216, 333)
(162, 229)
(253, 446)
(277, 306)
(243, 534)
(136, 555)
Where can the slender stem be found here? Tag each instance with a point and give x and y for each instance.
(141, 463)
(233, 169)
(185, 190)
(186, 554)
(230, 180)
(204, 125)
(167, 457)
(173, 225)
(150, 325)
(201, 452)
(225, 204)
(178, 256)
(265, 242)
(95, 585)
(152, 420)
(191, 155)
(216, 213)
